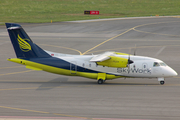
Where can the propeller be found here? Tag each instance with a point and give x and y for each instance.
(129, 62)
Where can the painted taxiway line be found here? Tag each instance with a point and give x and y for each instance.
(43, 112)
(11, 67)
(133, 28)
(160, 51)
(106, 41)
(37, 118)
(58, 118)
(63, 48)
(16, 72)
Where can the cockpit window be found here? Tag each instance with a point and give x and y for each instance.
(163, 64)
(156, 64)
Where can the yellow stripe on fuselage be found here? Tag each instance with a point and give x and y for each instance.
(43, 67)
(47, 68)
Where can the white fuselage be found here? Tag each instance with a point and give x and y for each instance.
(143, 67)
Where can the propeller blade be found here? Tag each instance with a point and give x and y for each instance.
(130, 61)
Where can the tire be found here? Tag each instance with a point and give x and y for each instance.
(100, 81)
(162, 82)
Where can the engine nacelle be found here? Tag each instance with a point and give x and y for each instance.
(114, 62)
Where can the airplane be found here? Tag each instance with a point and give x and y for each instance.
(101, 67)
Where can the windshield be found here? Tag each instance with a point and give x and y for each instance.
(156, 64)
(163, 64)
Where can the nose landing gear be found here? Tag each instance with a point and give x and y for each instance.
(161, 80)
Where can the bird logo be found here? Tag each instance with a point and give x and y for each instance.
(23, 44)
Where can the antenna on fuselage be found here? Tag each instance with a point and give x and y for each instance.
(135, 50)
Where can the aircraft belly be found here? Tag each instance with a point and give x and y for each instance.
(76, 68)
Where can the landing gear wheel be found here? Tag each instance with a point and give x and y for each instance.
(100, 81)
(162, 82)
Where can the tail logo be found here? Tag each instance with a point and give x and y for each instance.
(24, 46)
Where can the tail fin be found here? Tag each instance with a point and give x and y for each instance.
(23, 45)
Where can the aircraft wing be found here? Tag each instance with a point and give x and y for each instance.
(102, 57)
(110, 59)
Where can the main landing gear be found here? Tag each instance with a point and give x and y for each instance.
(101, 78)
(101, 81)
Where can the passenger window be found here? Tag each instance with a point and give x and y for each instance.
(156, 64)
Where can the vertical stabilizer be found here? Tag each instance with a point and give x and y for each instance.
(23, 45)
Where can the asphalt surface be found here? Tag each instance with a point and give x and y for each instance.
(27, 94)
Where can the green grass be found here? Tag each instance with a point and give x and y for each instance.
(39, 11)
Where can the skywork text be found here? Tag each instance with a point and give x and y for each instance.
(133, 70)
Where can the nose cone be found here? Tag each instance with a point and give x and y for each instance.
(168, 71)
(172, 72)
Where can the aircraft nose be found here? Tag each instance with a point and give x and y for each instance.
(173, 72)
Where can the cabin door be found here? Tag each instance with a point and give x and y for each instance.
(73, 67)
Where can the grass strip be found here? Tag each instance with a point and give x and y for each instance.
(41, 11)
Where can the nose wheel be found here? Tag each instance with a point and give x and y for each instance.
(162, 82)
